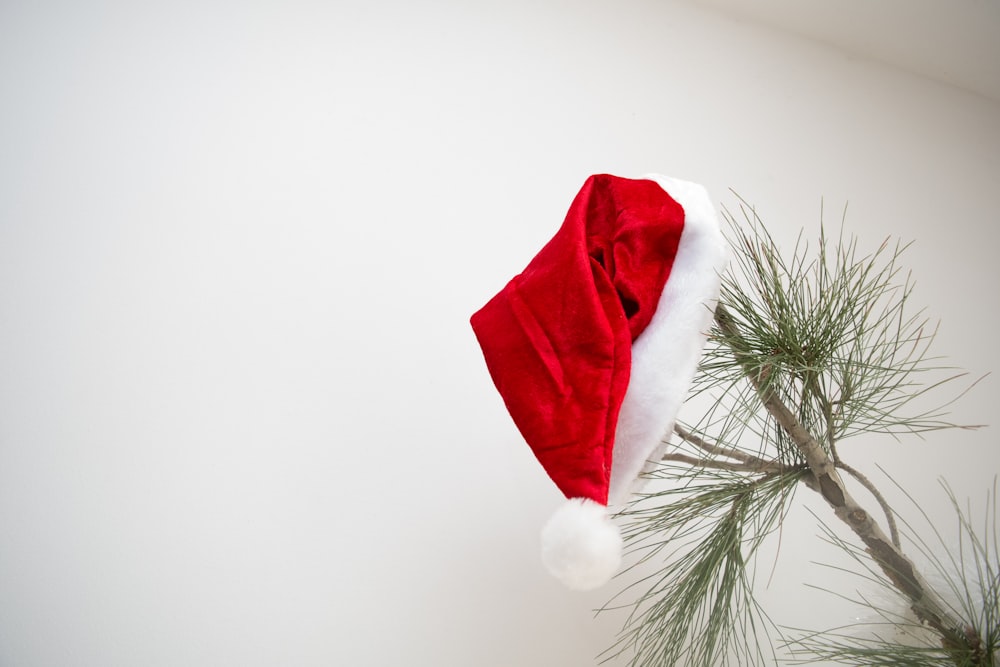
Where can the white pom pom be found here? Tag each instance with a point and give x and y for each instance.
(581, 546)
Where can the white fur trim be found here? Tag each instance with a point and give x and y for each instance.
(581, 546)
(665, 355)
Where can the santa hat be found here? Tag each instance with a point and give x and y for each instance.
(594, 345)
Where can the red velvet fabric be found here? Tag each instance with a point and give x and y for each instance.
(557, 339)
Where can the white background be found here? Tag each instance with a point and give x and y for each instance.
(243, 419)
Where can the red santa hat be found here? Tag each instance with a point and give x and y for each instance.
(593, 348)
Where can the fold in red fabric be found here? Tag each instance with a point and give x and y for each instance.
(557, 338)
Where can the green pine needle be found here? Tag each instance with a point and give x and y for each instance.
(831, 332)
(699, 608)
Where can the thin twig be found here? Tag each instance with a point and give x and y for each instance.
(758, 466)
(890, 516)
(716, 450)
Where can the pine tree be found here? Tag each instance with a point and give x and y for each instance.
(806, 352)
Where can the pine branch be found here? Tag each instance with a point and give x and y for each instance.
(804, 354)
(894, 564)
(966, 567)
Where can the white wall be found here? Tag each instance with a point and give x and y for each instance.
(243, 419)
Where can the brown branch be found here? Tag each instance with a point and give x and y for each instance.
(716, 450)
(760, 466)
(744, 461)
(897, 567)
